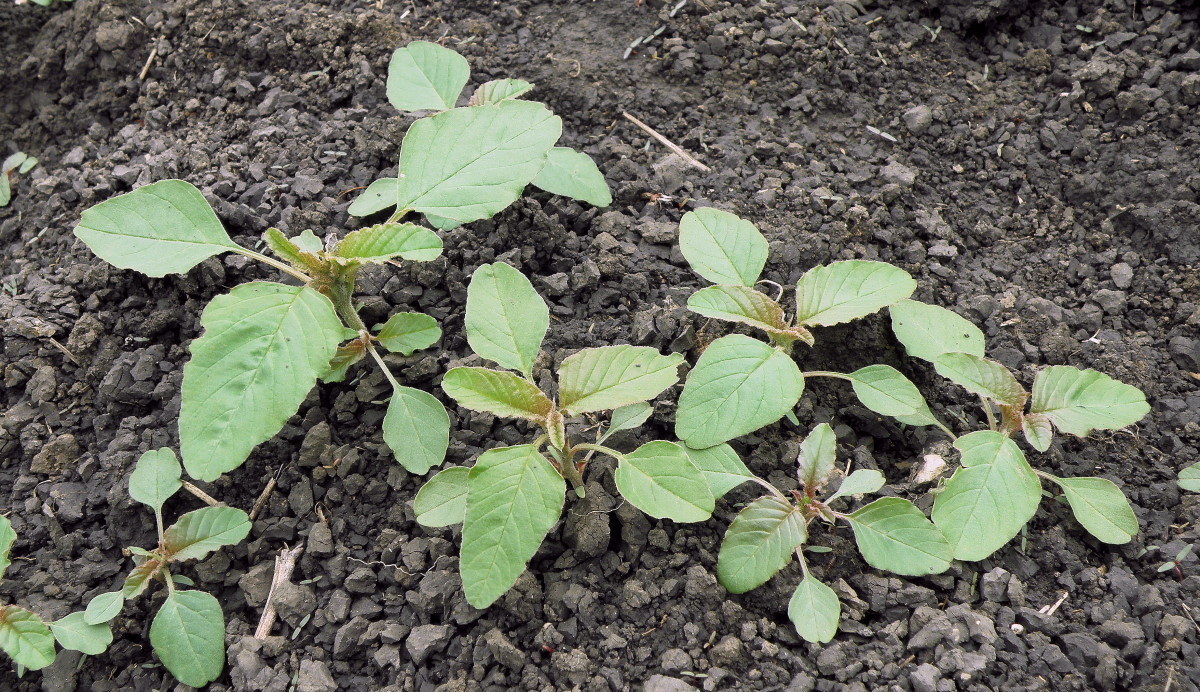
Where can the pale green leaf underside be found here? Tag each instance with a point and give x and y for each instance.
(25, 638)
(408, 332)
(1038, 431)
(497, 392)
(285, 249)
(416, 428)
(985, 378)
(155, 478)
(7, 538)
(815, 610)
(738, 386)
(515, 497)
(188, 634)
(506, 318)
(608, 377)
(162, 228)
(385, 241)
(499, 90)
(264, 344)
(73, 632)
(574, 174)
(379, 195)
(847, 290)
(860, 482)
(987, 501)
(817, 454)
(627, 418)
(721, 247)
(928, 331)
(1189, 478)
(759, 543)
(1079, 401)
(442, 501)
(739, 304)
(199, 532)
(1101, 508)
(659, 479)
(103, 607)
(886, 391)
(467, 164)
(721, 466)
(894, 535)
(426, 76)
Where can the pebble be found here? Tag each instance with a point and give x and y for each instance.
(662, 683)
(918, 118)
(1122, 275)
(898, 174)
(314, 676)
(426, 640)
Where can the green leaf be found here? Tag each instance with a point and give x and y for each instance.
(408, 332)
(425, 76)
(980, 376)
(104, 607)
(13, 161)
(739, 304)
(286, 250)
(574, 174)
(74, 633)
(7, 538)
(163, 228)
(844, 291)
(886, 391)
(499, 90)
(659, 479)
(738, 386)
(817, 455)
(497, 392)
(378, 244)
(894, 535)
(5, 190)
(506, 318)
(928, 331)
(469, 163)
(155, 478)
(442, 501)
(201, 531)
(1189, 479)
(860, 482)
(308, 241)
(188, 634)
(987, 501)
(379, 195)
(27, 165)
(815, 611)
(608, 377)
(1100, 506)
(721, 247)
(722, 468)
(417, 429)
(263, 347)
(345, 356)
(442, 224)
(25, 638)
(627, 418)
(1079, 401)
(135, 583)
(1038, 431)
(515, 497)
(759, 543)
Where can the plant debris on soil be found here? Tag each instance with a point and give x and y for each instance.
(1032, 164)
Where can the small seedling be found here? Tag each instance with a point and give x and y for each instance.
(19, 162)
(513, 496)
(188, 632)
(741, 384)
(1177, 563)
(1189, 478)
(892, 534)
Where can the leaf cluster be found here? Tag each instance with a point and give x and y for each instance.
(19, 162)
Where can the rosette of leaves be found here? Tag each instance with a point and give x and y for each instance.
(188, 631)
(513, 496)
(741, 384)
(891, 532)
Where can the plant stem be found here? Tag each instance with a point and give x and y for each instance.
(285, 268)
(770, 488)
(827, 373)
(599, 448)
(801, 560)
(382, 365)
(566, 466)
(987, 409)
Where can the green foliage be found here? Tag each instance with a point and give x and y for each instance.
(75, 633)
(721, 247)
(573, 174)
(660, 479)
(506, 318)
(23, 635)
(928, 331)
(426, 76)
(1080, 401)
(845, 291)
(1100, 507)
(442, 501)
(723, 469)
(188, 634)
(19, 162)
(814, 609)
(1189, 479)
(408, 332)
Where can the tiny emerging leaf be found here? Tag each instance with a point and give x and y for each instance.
(1038, 431)
(499, 90)
(155, 478)
(817, 456)
(860, 482)
(847, 290)
(721, 247)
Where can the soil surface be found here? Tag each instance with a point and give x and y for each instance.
(1032, 164)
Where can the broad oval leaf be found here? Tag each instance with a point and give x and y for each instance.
(201, 531)
(928, 331)
(416, 428)
(886, 391)
(25, 638)
(264, 344)
(739, 304)
(847, 290)
(155, 478)
(188, 634)
(162, 228)
(1080, 401)
(104, 607)
(608, 377)
(408, 332)
(1189, 478)
(426, 76)
(378, 244)
(514, 498)
(627, 417)
(467, 164)
(574, 174)
(379, 195)
(498, 392)
(860, 482)
(760, 542)
(738, 386)
(723, 469)
(499, 90)
(1038, 431)
(7, 538)
(985, 378)
(1101, 508)
(817, 455)
(73, 632)
(659, 479)
(815, 611)
(987, 501)
(894, 535)
(721, 247)
(506, 318)
(442, 501)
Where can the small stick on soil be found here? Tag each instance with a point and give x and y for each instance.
(262, 499)
(149, 61)
(208, 499)
(666, 142)
(285, 564)
(65, 351)
(1049, 610)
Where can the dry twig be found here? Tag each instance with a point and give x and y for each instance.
(285, 564)
(666, 142)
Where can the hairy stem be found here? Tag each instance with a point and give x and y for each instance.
(281, 266)
(827, 373)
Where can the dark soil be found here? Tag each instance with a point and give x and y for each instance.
(1033, 164)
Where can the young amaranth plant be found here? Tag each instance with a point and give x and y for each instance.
(513, 496)
(19, 162)
(266, 344)
(188, 632)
